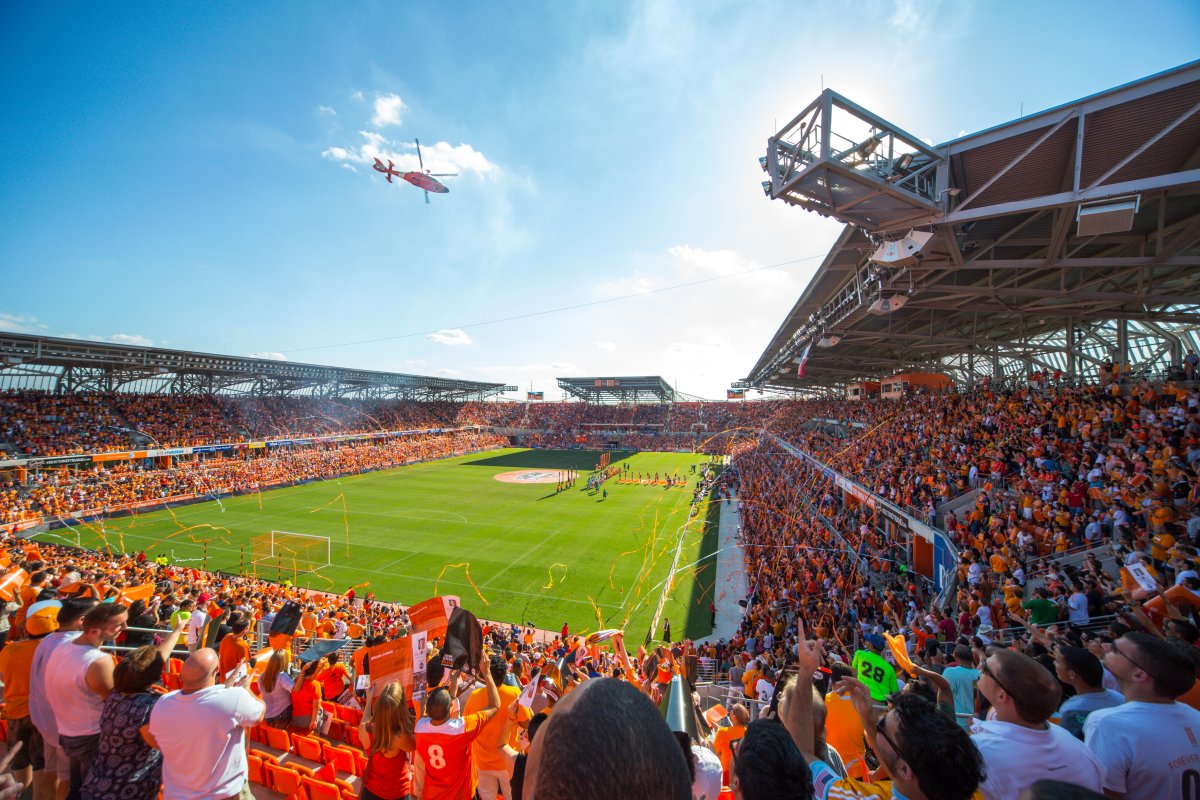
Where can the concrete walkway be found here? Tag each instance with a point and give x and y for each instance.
(732, 583)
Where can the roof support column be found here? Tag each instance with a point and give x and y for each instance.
(1122, 356)
(1072, 344)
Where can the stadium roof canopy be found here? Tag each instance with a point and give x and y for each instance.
(73, 365)
(642, 389)
(1055, 241)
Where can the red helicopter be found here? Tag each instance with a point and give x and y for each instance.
(422, 180)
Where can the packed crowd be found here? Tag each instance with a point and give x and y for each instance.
(1039, 677)
(114, 485)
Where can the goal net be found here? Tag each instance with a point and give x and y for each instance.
(289, 554)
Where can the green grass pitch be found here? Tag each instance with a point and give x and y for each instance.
(533, 554)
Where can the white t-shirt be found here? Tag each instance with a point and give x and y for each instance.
(764, 690)
(1147, 748)
(195, 629)
(40, 710)
(76, 707)
(202, 738)
(1015, 757)
(707, 784)
(1077, 608)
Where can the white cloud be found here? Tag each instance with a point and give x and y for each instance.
(350, 167)
(129, 338)
(357, 96)
(610, 347)
(270, 355)
(326, 111)
(451, 337)
(446, 372)
(906, 17)
(22, 323)
(388, 110)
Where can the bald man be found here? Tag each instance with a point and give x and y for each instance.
(606, 740)
(201, 731)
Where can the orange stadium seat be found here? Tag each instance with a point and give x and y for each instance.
(284, 780)
(308, 747)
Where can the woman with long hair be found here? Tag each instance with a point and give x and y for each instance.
(276, 687)
(386, 733)
(306, 699)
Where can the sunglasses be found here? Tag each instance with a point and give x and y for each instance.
(881, 729)
(1125, 656)
(983, 667)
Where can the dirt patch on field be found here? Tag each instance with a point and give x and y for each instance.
(530, 476)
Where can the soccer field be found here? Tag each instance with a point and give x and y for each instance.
(511, 551)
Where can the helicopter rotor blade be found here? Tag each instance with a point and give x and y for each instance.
(427, 198)
(442, 174)
(420, 160)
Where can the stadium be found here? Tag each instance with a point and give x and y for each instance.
(965, 469)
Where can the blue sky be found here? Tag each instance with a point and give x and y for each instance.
(193, 176)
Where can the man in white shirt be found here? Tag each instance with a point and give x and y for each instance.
(1077, 607)
(1019, 746)
(70, 621)
(195, 628)
(201, 731)
(1150, 746)
(78, 678)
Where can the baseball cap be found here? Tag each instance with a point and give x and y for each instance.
(42, 618)
(876, 641)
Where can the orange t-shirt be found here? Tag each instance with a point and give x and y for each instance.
(231, 652)
(487, 746)
(723, 746)
(15, 662)
(450, 771)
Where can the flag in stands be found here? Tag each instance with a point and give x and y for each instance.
(802, 360)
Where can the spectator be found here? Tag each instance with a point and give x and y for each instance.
(79, 677)
(16, 662)
(334, 678)
(1083, 672)
(606, 740)
(200, 730)
(386, 734)
(306, 698)
(1150, 745)
(125, 767)
(276, 687)
(877, 674)
(444, 740)
(70, 623)
(495, 774)
(1019, 746)
(234, 649)
(963, 678)
(725, 737)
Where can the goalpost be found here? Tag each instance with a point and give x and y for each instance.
(289, 553)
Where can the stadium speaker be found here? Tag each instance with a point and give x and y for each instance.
(902, 252)
(886, 305)
(1107, 216)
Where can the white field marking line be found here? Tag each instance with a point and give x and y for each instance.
(650, 567)
(413, 577)
(514, 563)
(391, 564)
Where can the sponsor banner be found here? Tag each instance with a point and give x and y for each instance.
(735, 394)
(100, 457)
(213, 448)
(898, 517)
(16, 462)
(944, 563)
(53, 461)
(257, 445)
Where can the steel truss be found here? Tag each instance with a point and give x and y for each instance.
(1008, 285)
(70, 365)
